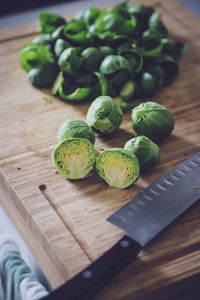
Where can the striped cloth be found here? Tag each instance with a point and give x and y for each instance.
(16, 280)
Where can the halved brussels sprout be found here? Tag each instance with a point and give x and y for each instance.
(74, 158)
(152, 120)
(118, 167)
(104, 115)
(75, 129)
(147, 152)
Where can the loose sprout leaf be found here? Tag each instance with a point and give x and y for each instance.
(74, 158)
(44, 76)
(35, 56)
(118, 167)
(48, 22)
(113, 63)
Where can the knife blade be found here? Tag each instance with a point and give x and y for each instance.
(143, 218)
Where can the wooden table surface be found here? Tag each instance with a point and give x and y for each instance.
(64, 223)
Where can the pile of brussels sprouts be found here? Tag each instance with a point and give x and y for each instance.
(75, 155)
(122, 52)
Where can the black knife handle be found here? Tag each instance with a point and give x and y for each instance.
(88, 282)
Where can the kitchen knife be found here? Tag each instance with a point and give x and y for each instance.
(142, 219)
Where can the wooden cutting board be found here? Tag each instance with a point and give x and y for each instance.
(64, 222)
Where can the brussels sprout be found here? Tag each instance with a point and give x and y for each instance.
(44, 76)
(92, 58)
(147, 152)
(118, 167)
(152, 120)
(75, 129)
(104, 115)
(48, 22)
(70, 60)
(35, 56)
(113, 63)
(74, 158)
(148, 84)
(60, 46)
(58, 33)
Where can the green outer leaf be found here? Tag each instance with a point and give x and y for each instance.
(134, 57)
(48, 22)
(70, 61)
(148, 84)
(92, 58)
(114, 63)
(60, 46)
(127, 90)
(78, 95)
(103, 83)
(35, 55)
(75, 129)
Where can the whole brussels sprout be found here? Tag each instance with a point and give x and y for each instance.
(74, 158)
(152, 120)
(147, 152)
(75, 129)
(104, 115)
(118, 167)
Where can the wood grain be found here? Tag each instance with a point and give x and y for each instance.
(68, 219)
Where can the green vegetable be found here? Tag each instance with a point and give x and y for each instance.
(45, 39)
(70, 61)
(127, 90)
(118, 167)
(152, 120)
(170, 69)
(148, 84)
(44, 76)
(113, 63)
(104, 115)
(66, 88)
(147, 152)
(92, 58)
(48, 22)
(35, 56)
(123, 52)
(74, 158)
(60, 46)
(115, 23)
(75, 129)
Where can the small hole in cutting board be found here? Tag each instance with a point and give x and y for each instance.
(42, 187)
(18, 169)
